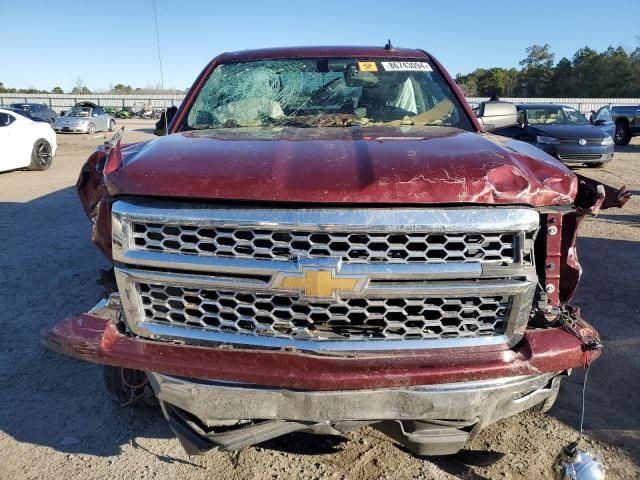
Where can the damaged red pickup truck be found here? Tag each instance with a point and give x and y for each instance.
(328, 238)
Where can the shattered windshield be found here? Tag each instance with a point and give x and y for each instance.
(325, 93)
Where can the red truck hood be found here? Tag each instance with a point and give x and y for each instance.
(407, 165)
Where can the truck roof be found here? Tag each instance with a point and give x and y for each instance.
(322, 51)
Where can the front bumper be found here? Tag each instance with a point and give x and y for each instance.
(583, 154)
(98, 340)
(71, 129)
(432, 401)
(429, 419)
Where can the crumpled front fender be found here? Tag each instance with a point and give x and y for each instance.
(591, 198)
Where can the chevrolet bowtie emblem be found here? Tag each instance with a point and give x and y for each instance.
(319, 283)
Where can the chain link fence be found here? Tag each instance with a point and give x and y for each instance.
(60, 102)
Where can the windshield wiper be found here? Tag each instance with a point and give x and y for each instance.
(288, 122)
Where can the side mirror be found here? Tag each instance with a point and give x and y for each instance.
(495, 115)
(165, 120)
(601, 121)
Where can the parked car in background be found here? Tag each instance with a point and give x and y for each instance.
(26, 114)
(85, 117)
(25, 143)
(624, 120)
(37, 110)
(564, 133)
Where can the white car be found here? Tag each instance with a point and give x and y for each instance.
(25, 143)
(85, 117)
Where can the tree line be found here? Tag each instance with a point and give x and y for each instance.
(611, 73)
(80, 88)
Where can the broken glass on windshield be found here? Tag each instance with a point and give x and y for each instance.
(325, 93)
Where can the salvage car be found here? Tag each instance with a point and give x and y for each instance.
(37, 110)
(564, 133)
(85, 117)
(25, 143)
(328, 238)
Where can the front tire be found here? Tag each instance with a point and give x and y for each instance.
(128, 387)
(91, 129)
(41, 155)
(112, 126)
(622, 135)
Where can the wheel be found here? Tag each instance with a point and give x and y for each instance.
(622, 135)
(595, 165)
(112, 125)
(41, 155)
(128, 387)
(91, 128)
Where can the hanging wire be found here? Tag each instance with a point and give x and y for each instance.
(155, 17)
(584, 391)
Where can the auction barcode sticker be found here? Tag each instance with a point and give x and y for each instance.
(407, 67)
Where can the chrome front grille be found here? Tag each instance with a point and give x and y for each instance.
(325, 279)
(394, 247)
(258, 313)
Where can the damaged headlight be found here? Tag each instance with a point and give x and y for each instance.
(607, 141)
(546, 140)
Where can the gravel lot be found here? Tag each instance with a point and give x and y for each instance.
(57, 422)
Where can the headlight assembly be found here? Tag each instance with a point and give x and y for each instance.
(546, 140)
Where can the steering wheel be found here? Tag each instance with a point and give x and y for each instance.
(325, 91)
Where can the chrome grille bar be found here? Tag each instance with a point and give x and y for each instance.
(216, 310)
(397, 236)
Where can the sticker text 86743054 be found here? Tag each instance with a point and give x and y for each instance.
(407, 67)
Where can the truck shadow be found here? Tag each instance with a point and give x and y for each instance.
(631, 148)
(49, 271)
(607, 296)
(629, 220)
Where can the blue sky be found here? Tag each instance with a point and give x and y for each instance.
(52, 43)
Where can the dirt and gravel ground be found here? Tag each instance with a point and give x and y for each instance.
(57, 422)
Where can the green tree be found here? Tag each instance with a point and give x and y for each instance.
(80, 87)
(634, 66)
(537, 69)
(57, 90)
(484, 83)
(80, 90)
(563, 82)
(120, 88)
(617, 76)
